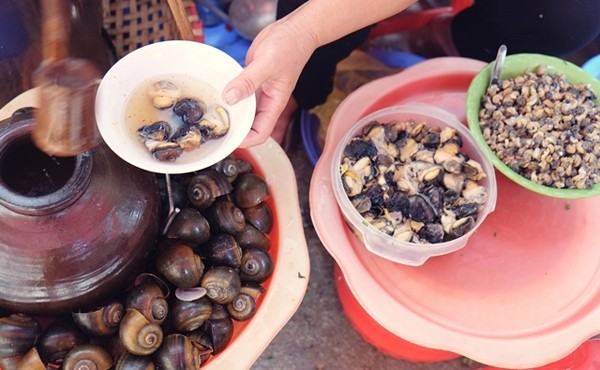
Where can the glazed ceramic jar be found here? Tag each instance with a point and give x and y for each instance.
(73, 229)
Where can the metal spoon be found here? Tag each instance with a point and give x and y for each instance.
(498, 64)
(173, 211)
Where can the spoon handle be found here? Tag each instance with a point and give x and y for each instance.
(498, 64)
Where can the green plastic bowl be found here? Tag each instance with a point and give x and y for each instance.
(515, 65)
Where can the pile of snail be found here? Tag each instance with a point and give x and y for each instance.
(207, 271)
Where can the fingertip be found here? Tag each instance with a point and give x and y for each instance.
(232, 96)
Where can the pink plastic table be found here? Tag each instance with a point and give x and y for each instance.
(524, 292)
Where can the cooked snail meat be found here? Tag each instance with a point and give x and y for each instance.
(157, 131)
(190, 110)
(163, 94)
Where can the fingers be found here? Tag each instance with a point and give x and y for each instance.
(246, 83)
(263, 125)
(252, 139)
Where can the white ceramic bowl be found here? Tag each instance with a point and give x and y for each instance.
(380, 243)
(198, 61)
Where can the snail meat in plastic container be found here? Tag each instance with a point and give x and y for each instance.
(412, 183)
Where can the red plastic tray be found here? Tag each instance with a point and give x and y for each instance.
(524, 292)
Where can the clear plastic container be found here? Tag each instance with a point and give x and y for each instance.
(379, 242)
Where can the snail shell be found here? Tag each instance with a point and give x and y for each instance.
(222, 284)
(87, 357)
(139, 335)
(148, 277)
(190, 226)
(260, 216)
(18, 333)
(31, 361)
(256, 266)
(178, 353)
(251, 237)
(115, 346)
(101, 321)
(206, 186)
(180, 265)
(220, 332)
(242, 308)
(149, 299)
(219, 312)
(12, 363)
(222, 250)
(128, 361)
(189, 316)
(232, 167)
(224, 216)
(60, 337)
(253, 289)
(249, 190)
(202, 340)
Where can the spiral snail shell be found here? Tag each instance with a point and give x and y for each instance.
(180, 265)
(219, 328)
(206, 186)
(249, 190)
(222, 284)
(101, 321)
(242, 308)
(251, 237)
(190, 226)
(58, 338)
(138, 335)
(188, 316)
(222, 249)
(202, 340)
(260, 216)
(178, 353)
(30, 361)
(149, 299)
(128, 361)
(18, 333)
(87, 357)
(232, 167)
(226, 217)
(256, 266)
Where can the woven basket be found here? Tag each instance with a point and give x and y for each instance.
(132, 24)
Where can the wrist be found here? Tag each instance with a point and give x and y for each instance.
(303, 27)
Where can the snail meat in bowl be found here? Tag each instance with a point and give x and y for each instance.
(174, 122)
(181, 83)
(539, 124)
(411, 183)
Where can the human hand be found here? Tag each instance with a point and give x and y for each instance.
(274, 62)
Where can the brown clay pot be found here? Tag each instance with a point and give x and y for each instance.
(73, 229)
